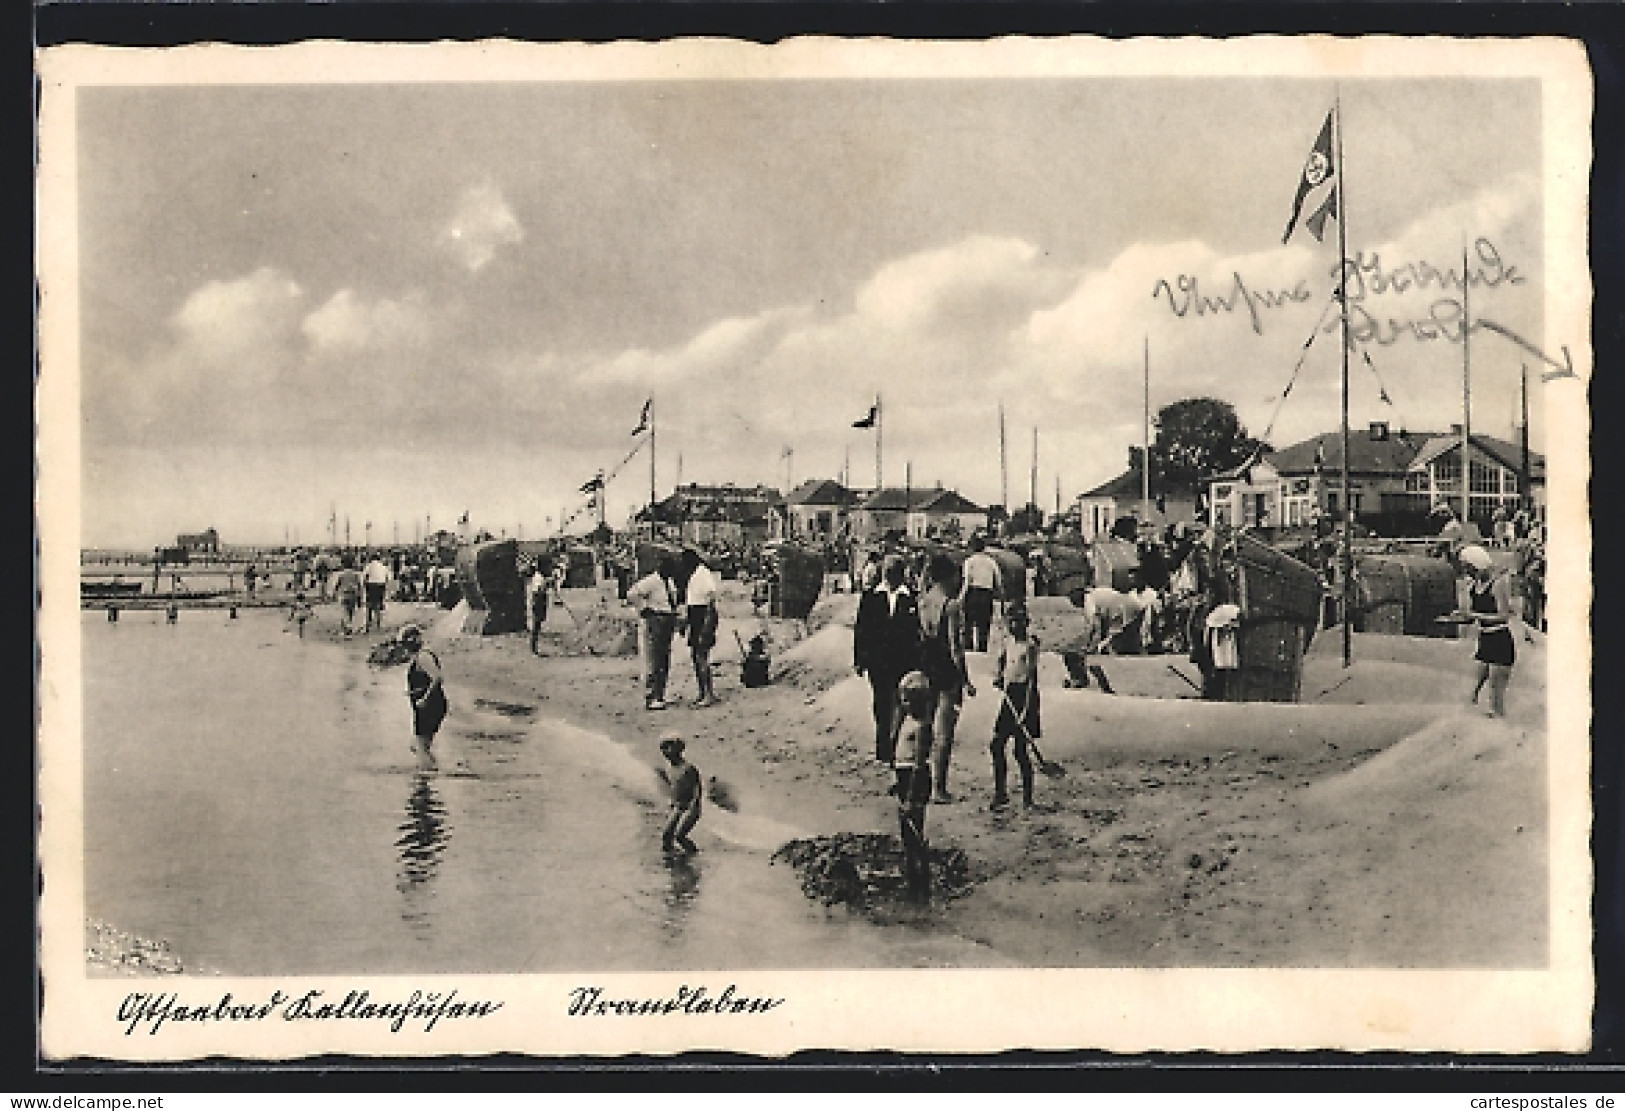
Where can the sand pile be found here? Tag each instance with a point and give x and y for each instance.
(1088, 728)
(833, 609)
(818, 662)
(604, 632)
(865, 870)
(388, 653)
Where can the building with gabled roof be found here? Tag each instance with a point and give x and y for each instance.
(1395, 480)
(820, 509)
(931, 512)
(1101, 508)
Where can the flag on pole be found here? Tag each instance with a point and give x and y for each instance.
(463, 520)
(643, 419)
(1317, 176)
(868, 421)
(593, 484)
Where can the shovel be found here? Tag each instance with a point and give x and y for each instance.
(1048, 767)
(1189, 682)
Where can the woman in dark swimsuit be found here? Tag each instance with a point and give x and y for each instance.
(1491, 601)
(427, 692)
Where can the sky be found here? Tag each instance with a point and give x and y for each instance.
(407, 302)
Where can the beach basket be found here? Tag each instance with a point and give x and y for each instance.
(1402, 595)
(800, 578)
(491, 584)
(1280, 609)
(580, 568)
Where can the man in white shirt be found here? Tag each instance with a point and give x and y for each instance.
(981, 587)
(375, 579)
(540, 590)
(700, 597)
(654, 597)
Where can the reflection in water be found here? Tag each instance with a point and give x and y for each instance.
(682, 894)
(421, 844)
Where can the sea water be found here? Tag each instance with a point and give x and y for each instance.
(251, 799)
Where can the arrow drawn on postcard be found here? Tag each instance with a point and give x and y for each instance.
(1564, 369)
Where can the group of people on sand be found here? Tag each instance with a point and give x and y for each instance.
(679, 597)
(912, 650)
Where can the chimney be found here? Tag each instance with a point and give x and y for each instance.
(1455, 429)
(1379, 430)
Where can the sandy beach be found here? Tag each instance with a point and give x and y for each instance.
(1381, 822)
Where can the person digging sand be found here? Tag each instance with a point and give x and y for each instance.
(686, 794)
(1018, 712)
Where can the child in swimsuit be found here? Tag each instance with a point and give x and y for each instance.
(686, 794)
(911, 762)
(301, 612)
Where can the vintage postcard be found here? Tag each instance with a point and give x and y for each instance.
(639, 548)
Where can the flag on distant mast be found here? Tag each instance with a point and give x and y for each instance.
(643, 419)
(1318, 172)
(868, 421)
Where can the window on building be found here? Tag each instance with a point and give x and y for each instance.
(1486, 478)
(1331, 501)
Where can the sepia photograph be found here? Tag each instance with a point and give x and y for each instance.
(835, 545)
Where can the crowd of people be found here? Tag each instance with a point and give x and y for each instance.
(919, 615)
(910, 640)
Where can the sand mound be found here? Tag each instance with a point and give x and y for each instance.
(833, 609)
(604, 632)
(865, 870)
(1088, 728)
(819, 662)
(449, 624)
(1452, 753)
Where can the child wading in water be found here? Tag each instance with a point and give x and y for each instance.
(912, 764)
(1018, 713)
(300, 612)
(686, 793)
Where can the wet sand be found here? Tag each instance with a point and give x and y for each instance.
(1380, 823)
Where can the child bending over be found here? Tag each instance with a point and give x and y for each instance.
(686, 793)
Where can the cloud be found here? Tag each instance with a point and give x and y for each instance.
(223, 323)
(347, 323)
(719, 349)
(482, 224)
(945, 335)
(979, 282)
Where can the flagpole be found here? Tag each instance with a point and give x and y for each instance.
(1523, 444)
(1145, 458)
(1347, 561)
(908, 495)
(879, 422)
(651, 466)
(1466, 400)
(1032, 478)
(1004, 471)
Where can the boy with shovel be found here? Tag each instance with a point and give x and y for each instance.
(1018, 711)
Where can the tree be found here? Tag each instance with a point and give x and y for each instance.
(1196, 439)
